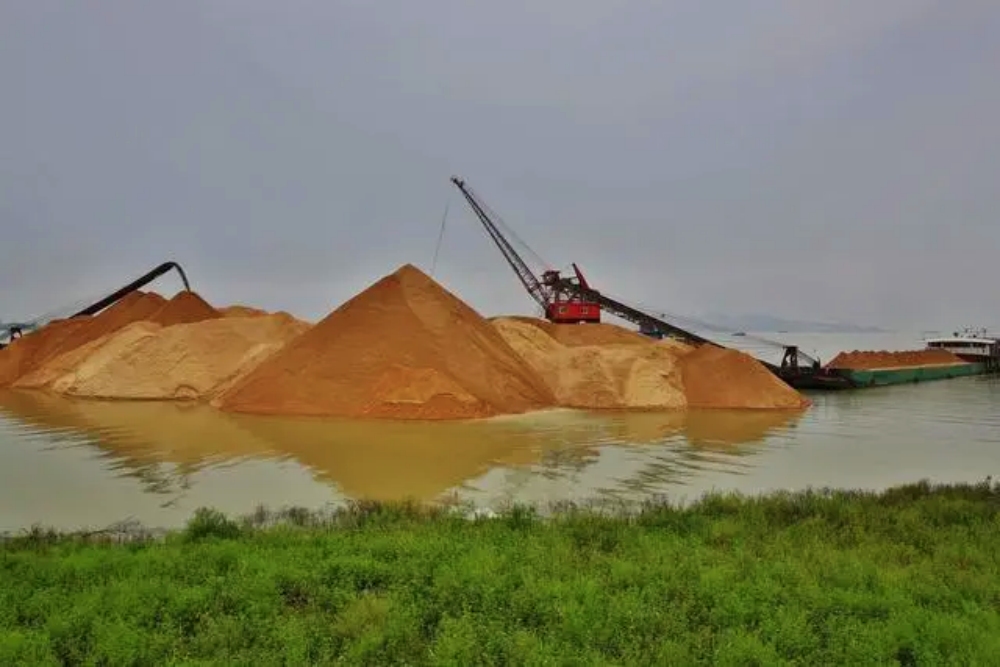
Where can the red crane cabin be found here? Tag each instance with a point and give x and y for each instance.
(569, 309)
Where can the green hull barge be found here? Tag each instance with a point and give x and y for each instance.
(882, 377)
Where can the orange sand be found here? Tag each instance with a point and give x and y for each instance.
(598, 365)
(716, 377)
(27, 354)
(864, 360)
(184, 308)
(404, 348)
(30, 351)
(242, 311)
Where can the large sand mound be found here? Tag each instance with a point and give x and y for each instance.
(598, 365)
(404, 348)
(183, 361)
(883, 359)
(29, 353)
(716, 377)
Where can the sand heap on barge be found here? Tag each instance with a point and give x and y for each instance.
(869, 368)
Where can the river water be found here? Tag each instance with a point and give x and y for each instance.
(72, 464)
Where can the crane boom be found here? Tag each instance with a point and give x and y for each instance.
(524, 273)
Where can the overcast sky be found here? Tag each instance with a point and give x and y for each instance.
(827, 160)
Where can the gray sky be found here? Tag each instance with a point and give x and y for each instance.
(832, 160)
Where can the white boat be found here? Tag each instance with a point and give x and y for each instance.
(974, 345)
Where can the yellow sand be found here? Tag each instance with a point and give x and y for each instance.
(184, 361)
(78, 364)
(632, 372)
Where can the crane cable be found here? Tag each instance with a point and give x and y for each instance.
(437, 248)
(512, 236)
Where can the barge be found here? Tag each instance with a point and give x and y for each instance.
(960, 355)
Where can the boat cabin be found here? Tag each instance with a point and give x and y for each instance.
(968, 347)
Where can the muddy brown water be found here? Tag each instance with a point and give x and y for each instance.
(86, 464)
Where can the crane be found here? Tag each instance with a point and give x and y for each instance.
(570, 299)
(573, 300)
(558, 297)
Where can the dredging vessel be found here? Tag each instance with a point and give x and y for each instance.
(973, 352)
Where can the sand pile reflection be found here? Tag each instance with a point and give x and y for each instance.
(378, 459)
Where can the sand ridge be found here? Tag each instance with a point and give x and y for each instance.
(608, 367)
(239, 310)
(597, 365)
(184, 308)
(191, 361)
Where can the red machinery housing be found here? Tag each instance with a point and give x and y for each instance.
(568, 307)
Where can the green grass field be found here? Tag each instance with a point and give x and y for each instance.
(910, 576)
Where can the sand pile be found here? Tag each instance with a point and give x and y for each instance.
(184, 308)
(608, 367)
(184, 361)
(29, 353)
(598, 365)
(404, 348)
(716, 377)
(58, 372)
(869, 359)
(238, 310)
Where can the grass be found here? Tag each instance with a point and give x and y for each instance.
(910, 576)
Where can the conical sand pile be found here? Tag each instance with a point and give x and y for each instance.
(184, 308)
(404, 348)
(715, 377)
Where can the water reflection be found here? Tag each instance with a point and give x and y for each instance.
(136, 439)
(392, 460)
(635, 454)
(708, 429)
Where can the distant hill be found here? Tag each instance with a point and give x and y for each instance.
(756, 322)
